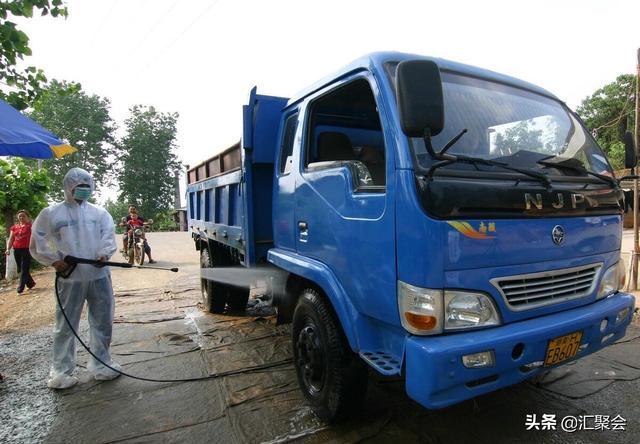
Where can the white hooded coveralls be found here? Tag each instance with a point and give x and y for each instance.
(86, 231)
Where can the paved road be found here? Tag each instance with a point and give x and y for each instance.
(161, 332)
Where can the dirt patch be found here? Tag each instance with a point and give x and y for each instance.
(30, 310)
(36, 308)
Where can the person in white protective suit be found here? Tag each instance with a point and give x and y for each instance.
(78, 228)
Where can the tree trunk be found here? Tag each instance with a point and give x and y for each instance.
(8, 220)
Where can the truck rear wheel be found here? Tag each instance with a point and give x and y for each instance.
(333, 379)
(214, 296)
(238, 298)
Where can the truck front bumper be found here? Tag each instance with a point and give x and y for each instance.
(436, 376)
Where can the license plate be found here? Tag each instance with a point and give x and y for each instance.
(562, 348)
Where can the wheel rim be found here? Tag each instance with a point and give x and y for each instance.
(204, 263)
(311, 358)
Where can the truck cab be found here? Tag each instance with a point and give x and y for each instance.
(434, 220)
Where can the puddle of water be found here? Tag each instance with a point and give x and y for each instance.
(190, 316)
(303, 423)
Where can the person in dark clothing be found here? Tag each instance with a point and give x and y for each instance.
(19, 241)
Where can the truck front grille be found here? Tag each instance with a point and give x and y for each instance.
(550, 287)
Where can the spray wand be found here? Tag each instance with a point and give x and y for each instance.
(73, 261)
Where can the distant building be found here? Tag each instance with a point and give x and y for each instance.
(180, 218)
(180, 212)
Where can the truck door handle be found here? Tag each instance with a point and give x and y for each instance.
(302, 225)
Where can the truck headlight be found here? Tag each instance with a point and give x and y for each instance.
(612, 280)
(468, 310)
(420, 309)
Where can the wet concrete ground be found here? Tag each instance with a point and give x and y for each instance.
(160, 332)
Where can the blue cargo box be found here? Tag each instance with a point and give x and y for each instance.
(229, 194)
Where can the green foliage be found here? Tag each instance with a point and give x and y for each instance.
(21, 85)
(84, 121)
(146, 179)
(117, 210)
(609, 113)
(21, 187)
(615, 153)
(165, 222)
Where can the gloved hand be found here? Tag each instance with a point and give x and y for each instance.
(60, 266)
(101, 259)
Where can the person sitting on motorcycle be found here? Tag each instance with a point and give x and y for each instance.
(133, 221)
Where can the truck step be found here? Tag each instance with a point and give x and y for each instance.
(383, 362)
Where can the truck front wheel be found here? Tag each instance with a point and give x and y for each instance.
(214, 296)
(333, 379)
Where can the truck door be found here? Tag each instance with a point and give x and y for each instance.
(344, 214)
(261, 118)
(285, 181)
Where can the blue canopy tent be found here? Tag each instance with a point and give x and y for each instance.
(22, 137)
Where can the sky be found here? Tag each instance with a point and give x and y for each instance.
(201, 58)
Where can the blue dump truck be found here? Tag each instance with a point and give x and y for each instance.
(425, 218)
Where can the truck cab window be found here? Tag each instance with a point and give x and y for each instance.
(344, 129)
(286, 149)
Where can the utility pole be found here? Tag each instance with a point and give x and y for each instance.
(633, 282)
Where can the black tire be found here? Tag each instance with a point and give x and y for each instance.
(130, 253)
(332, 378)
(139, 250)
(238, 298)
(214, 296)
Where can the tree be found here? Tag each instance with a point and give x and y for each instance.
(21, 188)
(522, 136)
(21, 85)
(609, 112)
(84, 121)
(146, 179)
(117, 209)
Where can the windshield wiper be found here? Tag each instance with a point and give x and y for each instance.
(580, 169)
(448, 159)
(543, 178)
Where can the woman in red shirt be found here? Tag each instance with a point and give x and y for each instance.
(19, 240)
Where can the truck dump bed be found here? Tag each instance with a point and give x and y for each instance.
(225, 191)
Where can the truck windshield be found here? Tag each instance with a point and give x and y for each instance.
(513, 126)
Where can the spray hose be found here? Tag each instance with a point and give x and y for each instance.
(74, 261)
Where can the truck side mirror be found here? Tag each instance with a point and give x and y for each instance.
(630, 153)
(419, 93)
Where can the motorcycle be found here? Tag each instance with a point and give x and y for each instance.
(136, 243)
